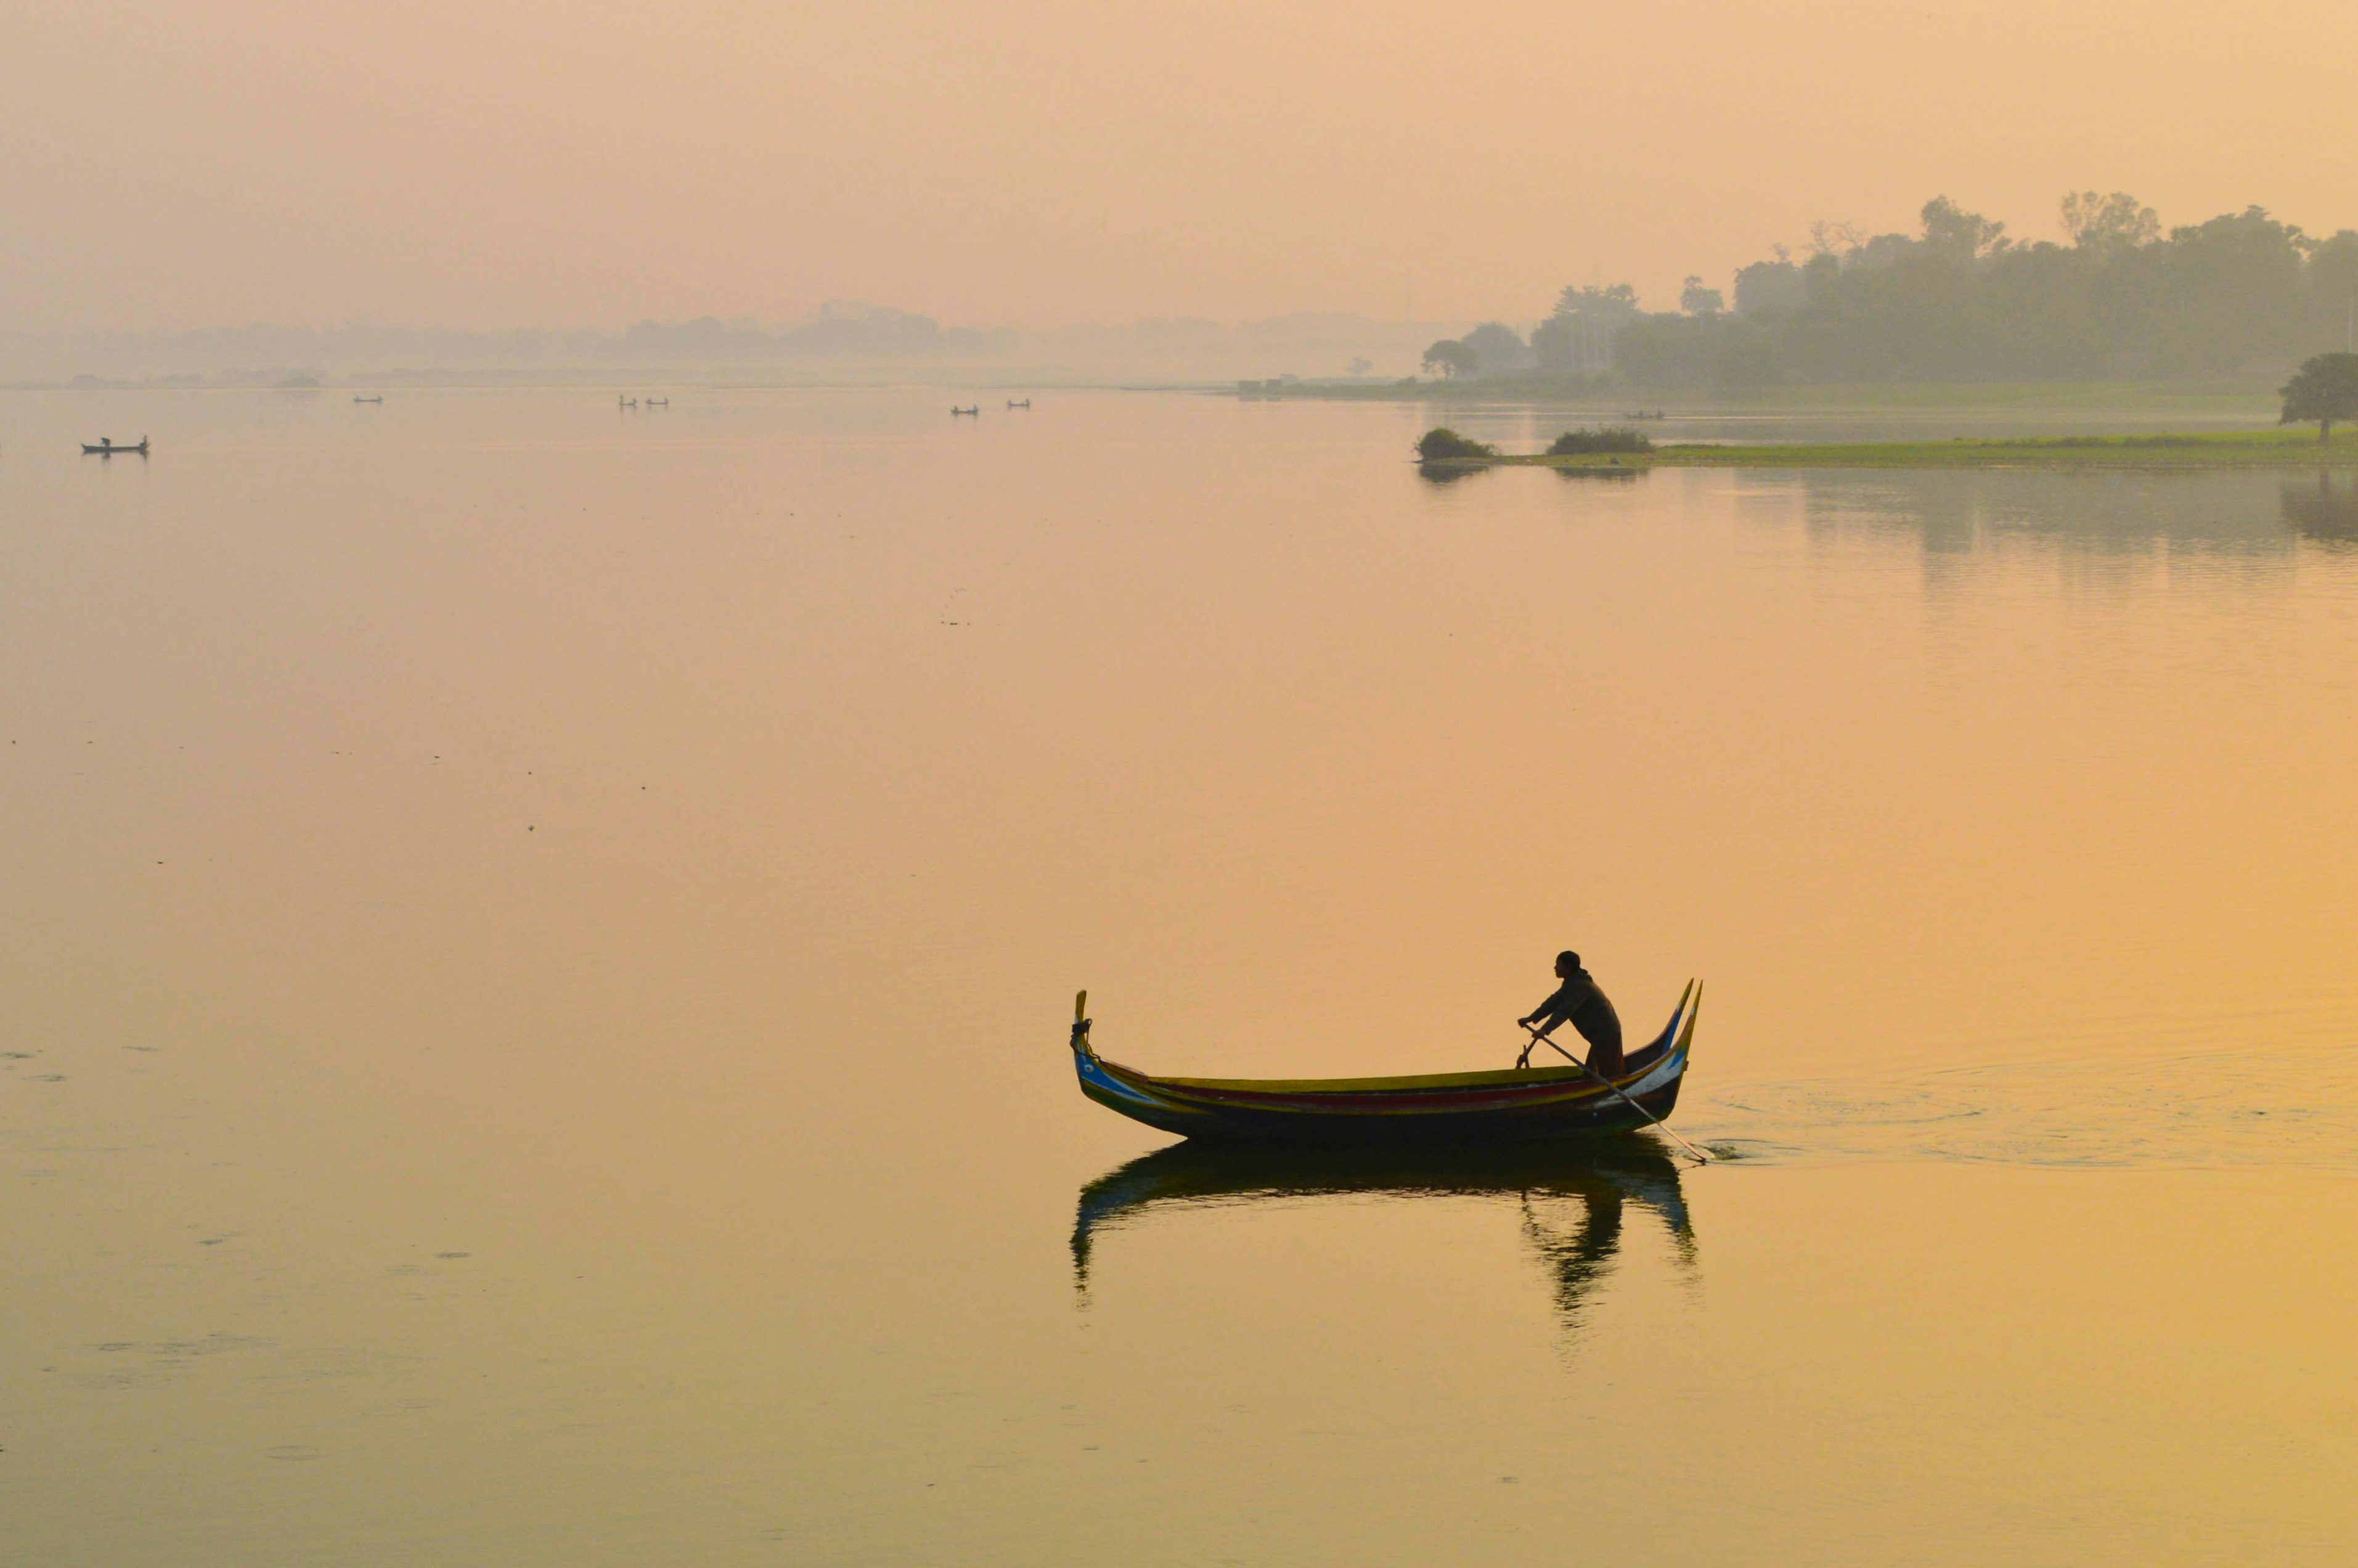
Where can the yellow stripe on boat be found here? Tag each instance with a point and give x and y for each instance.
(1526, 1076)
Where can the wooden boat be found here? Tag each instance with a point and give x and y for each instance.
(976, 410)
(658, 402)
(378, 399)
(1512, 1102)
(1025, 404)
(107, 448)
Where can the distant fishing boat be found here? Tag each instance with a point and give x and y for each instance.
(1551, 1102)
(976, 410)
(1025, 404)
(107, 448)
(622, 402)
(658, 402)
(378, 399)
(1642, 414)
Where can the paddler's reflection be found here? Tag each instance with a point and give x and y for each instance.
(1581, 1260)
(1572, 1195)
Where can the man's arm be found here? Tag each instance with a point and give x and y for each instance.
(1547, 1017)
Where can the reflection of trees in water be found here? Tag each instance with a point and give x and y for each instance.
(1573, 1197)
(2103, 533)
(2327, 513)
(2123, 514)
(1449, 474)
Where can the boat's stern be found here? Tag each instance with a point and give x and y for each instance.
(1117, 1087)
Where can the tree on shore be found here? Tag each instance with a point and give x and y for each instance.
(1498, 349)
(1619, 301)
(1450, 359)
(2114, 222)
(2324, 389)
(1958, 236)
(1697, 301)
(1440, 444)
(1771, 291)
(1578, 339)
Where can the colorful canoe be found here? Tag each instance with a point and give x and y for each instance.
(1550, 1101)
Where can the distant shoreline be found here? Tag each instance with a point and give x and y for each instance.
(2213, 398)
(2224, 450)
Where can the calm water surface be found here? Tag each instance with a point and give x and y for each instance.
(537, 944)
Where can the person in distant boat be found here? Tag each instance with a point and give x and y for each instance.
(1579, 1003)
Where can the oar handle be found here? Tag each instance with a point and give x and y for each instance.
(1613, 1089)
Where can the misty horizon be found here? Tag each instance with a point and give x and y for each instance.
(465, 166)
(1595, 329)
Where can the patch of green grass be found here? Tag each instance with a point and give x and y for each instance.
(1609, 439)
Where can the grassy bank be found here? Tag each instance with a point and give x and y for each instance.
(2225, 449)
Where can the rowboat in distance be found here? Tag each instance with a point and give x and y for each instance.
(1013, 404)
(107, 448)
(358, 398)
(975, 411)
(1514, 1102)
(1589, 1180)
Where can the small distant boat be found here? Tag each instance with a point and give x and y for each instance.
(1514, 1101)
(622, 402)
(976, 410)
(658, 402)
(107, 448)
(378, 399)
(1642, 414)
(1025, 404)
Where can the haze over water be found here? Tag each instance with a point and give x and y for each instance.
(539, 944)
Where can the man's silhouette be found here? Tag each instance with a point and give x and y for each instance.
(1579, 1003)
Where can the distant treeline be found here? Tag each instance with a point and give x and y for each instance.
(834, 341)
(269, 354)
(2242, 296)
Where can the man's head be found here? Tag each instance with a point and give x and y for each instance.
(1567, 964)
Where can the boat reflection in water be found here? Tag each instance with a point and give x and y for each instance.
(1572, 1194)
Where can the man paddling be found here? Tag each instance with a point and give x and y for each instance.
(1579, 1003)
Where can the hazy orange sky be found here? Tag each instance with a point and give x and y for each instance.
(490, 163)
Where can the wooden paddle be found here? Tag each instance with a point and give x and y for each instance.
(1538, 1038)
